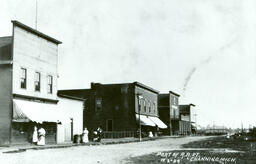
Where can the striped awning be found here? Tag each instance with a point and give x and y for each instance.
(158, 122)
(144, 120)
(24, 111)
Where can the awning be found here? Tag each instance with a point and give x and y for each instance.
(158, 122)
(144, 120)
(193, 126)
(24, 111)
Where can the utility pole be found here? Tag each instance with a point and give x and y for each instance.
(36, 16)
(139, 95)
(242, 127)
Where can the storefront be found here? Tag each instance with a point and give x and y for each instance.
(185, 127)
(150, 123)
(27, 114)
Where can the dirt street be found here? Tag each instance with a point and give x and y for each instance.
(95, 154)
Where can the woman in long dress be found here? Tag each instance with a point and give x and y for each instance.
(41, 134)
(35, 136)
(85, 135)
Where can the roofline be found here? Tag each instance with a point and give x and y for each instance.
(96, 83)
(176, 94)
(145, 87)
(192, 105)
(71, 97)
(29, 29)
(66, 90)
(35, 98)
(187, 104)
(135, 83)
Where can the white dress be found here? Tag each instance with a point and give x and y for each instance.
(85, 136)
(41, 134)
(35, 137)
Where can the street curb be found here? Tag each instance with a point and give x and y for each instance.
(20, 150)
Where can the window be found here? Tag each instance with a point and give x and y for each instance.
(117, 107)
(149, 106)
(49, 84)
(23, 78)
(155, 109)
(37, 81)
(175, 101)
(140, 104)
(98, 104)
(173, 112)
(177, 113)
(145, 106)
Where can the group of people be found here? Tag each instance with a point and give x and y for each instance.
(38, 137)
(96, 135)
(87, 136)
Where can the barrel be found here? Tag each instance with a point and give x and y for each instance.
(77, 138)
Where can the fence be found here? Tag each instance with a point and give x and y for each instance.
(119, 134)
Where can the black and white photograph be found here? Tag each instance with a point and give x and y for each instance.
(127, 81)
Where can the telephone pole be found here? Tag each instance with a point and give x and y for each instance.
(36, 16)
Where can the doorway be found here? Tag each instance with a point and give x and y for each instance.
(109, 125)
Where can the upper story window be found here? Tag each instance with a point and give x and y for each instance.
(98, 104)
(23, 78)
(149, 106)
(154, 107)
(37, 81)
(145, 106)
(139, 104)
(175, 101)
(49, 84)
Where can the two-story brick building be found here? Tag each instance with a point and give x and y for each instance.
(180, 119)
(168, 106)
(115, 107)
(28, 85)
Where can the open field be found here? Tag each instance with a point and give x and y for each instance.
(223, 142)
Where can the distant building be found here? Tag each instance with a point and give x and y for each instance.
(216, 130)
(28, 86)
(187, 119)
(115, 107)
(168, 107)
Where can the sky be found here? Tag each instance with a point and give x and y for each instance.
(203, 50)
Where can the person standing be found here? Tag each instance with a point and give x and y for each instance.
(35, 136)
(85, 136)
(99, 132)
(150, 134)
(41, 134)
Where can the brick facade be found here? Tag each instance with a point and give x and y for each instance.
(114, 106)
(168, 106)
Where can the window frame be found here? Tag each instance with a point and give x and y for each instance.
(98, 107)
(50, 84)
(23, 78)
(39, 82)
(149, 106)
(145, 105)
(140, 102)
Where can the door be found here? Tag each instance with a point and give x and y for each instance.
(68, 131)
(109, 125)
